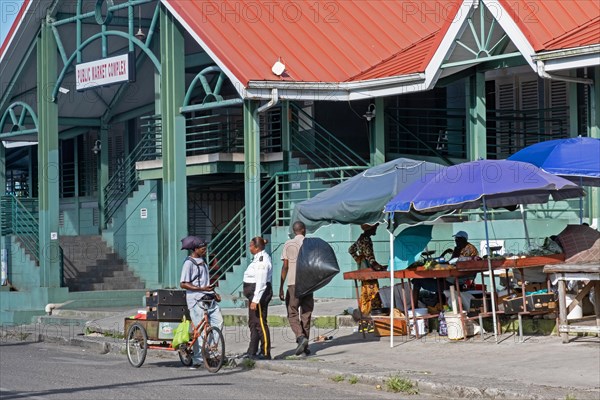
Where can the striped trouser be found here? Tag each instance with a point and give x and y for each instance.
(257, 321)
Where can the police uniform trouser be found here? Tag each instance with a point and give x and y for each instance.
(257, 320)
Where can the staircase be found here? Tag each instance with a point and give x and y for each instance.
(90, 265)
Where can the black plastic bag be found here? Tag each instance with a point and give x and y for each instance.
(316, 266)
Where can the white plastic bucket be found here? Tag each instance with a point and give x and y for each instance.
(421, 323)
(455, 329)
(577, 311)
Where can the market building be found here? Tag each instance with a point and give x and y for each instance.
(128, 124)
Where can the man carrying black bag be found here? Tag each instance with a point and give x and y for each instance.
(299, 310)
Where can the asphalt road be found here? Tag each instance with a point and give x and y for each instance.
(45, 371)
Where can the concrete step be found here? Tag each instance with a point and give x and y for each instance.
(60, 320)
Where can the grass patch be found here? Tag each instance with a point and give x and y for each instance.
(338, 378)
(353, 380)
(570, 397)
(397, 384)
(248, 363)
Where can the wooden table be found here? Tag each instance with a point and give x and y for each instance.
(560, 273)
(464, 268)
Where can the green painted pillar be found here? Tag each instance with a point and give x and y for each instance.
(377, 131)
(2, 170)
(476, 123)
(174, 193)
(48, 161)
(252, 170)
(102, 173)
(594, 131)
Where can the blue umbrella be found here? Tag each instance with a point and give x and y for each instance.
(577, 159)
(485, 184)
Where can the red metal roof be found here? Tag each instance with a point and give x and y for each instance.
(556, 24)
(333, 41)
(13, 28)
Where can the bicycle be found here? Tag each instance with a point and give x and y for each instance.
(212, 349)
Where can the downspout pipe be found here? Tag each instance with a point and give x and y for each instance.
(272, 103)
(541, 70)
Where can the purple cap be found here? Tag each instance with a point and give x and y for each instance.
(192, 243)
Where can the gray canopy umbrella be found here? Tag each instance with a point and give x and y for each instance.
(361, 199)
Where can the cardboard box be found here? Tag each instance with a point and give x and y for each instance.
(476, 306)
(382, 326)
(165, 297)
(167, 313)
(534, 303)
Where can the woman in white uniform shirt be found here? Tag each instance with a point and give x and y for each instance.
(258, 291)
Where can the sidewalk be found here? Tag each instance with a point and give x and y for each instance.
(539, 368)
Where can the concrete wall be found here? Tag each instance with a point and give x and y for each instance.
(79, 216)
(135, 238)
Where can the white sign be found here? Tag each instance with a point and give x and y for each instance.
(3, 267)
(143, 213)
(104, 72)
(53, 235)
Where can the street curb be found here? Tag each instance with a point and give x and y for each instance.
(423, 387)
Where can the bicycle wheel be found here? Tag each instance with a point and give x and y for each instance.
(213, 349)
(137, 345)
(185, 355)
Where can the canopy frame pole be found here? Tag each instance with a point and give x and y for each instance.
(489, 262)
(391, 230)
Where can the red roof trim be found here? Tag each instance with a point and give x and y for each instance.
(13, 28)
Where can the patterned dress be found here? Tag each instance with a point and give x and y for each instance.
(362, 252)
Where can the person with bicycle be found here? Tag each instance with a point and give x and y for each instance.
(259, 291)
(195, 279)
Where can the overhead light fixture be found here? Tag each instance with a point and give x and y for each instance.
(63, 90)
(97, 147)
(140, 33)
(278, 68)
(370, 113)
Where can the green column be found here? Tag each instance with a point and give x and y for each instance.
(594, 131)
(2, 170)
(377, 131)
(48, 165)
(252, 170)
(174, 193)
(102, 172)
(573, 102)
(476, 123)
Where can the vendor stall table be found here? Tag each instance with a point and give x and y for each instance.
(465, 268)
(575, 272)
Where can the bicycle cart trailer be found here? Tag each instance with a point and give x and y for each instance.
(142, 335)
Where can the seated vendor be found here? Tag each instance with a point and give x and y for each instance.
(362, 252)
(462, 249)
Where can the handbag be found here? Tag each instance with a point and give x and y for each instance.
(181, 334)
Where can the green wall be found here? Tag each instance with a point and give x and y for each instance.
(134, 238)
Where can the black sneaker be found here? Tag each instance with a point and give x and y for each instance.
(307, 351)
(302, 343)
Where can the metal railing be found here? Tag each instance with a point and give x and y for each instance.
(317, 146)
(279, 194)
(427, 132)
(509, 131)
(19, 218)
(442, 132)
(125, 178)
